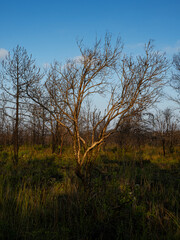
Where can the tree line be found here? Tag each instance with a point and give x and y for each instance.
(58, 106)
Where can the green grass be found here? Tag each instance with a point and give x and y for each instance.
(130, 194)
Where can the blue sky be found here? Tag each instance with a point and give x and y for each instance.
(49, 29)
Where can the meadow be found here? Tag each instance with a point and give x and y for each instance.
(129, 194)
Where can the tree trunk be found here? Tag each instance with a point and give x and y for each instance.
(53, 143)
(43, 128)
(16, 129)
(163, 145)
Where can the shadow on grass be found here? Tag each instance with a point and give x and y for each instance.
(123, 200)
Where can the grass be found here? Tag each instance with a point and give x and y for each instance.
(130, 194)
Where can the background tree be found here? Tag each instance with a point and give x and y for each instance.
(5, 127)
(17, 69)
(134, 132)
(165, 126)
(128, 85)
(175, 80)
(36, 122)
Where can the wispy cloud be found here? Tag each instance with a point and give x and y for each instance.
(3, 53)
(135, 46)
(134, 49)
(46, 66)
(78, 59)
(172, 49)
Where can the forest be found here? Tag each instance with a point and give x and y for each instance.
(85, 150)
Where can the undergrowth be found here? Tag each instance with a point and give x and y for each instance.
(129, 195)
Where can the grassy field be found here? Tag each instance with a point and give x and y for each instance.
(128, 195)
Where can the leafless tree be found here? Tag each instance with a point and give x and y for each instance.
(128, 86)
(36, 124)
(134, 132)
(58, 134)
(17, 69)
(175, 80)
(4, 125)
(165, 125)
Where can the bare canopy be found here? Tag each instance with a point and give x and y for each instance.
(175, 80)
(129, 86)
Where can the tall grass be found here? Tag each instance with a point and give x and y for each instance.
(129, 195)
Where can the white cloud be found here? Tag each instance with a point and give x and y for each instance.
(78, 59)
(3, 53)
(137, 48)
(46, 66)
(173, 49)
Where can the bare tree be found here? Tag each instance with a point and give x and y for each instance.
(58, 133)
(134, 132)
(17, 69)
(128, 86)
(175, 80)
(165, 126)
(36, 124)
(4, 125)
